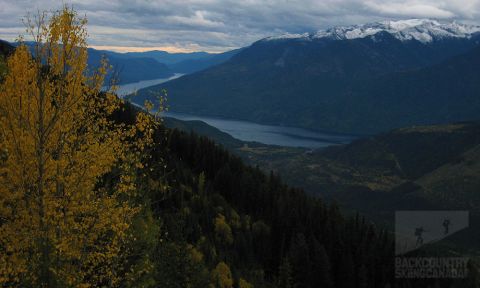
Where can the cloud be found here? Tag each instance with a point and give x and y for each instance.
(219, 25)
(410, 10)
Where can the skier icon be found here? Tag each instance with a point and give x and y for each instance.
(418, 233)
(446, 224)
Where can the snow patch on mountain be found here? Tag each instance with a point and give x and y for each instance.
(423, 30)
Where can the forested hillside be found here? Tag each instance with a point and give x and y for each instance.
(367, 84)
(5, 50)
(420, 167)
(267, 233)
(96, 192)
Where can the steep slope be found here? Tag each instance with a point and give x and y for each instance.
(193, 65)
(125, 69)
(165, 57)
(455, 185)
(421, 167)
(203, 129)
(214, 209)
(5, 50)
(184, 63)
(309, 80)
(130, 69)
(442, 93)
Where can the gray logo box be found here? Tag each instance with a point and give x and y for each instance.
(414, 229)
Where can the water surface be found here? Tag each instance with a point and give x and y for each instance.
(250, 131)
(124, 90)
(269, 134)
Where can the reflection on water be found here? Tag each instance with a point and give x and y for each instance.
(130, 88)
(249, 131)
(268, 134)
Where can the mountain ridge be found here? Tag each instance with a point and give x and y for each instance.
(422, 30)
(316, 84)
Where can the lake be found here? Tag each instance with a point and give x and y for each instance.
(250, 131)
(269, 134)
(125, 89)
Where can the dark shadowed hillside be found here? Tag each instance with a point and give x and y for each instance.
(130, 69)
(5, 50)
(193, 65)
(184, 63)
(213, 205)
(360, 85)
(424, 167)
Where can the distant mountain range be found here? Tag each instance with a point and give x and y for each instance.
(130, 69)
(356, 79)
(163, 56)
(188, 66)
(137, 66)
(184, 63)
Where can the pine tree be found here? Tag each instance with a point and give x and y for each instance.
(321, 268)
(300, 260)
(285, 279)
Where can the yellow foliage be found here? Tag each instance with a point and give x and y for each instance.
(222, 276)
(58, 226)
(223, 230)
(242, 283)
(196, 255)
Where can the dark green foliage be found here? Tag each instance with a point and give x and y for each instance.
(285, 279)
(175, 267)
(5, 50)
(280, 236)
(270, 222)
(321, 267)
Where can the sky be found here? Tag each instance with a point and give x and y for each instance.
(221, 25)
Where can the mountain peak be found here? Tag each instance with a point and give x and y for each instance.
(423, 30)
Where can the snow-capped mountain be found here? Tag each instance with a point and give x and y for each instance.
(379, 76)
(423, 30)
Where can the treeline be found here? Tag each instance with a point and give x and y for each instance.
(226, 224)
(215, 209)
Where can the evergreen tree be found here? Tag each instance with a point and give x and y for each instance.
(321, 269)
(285, 279)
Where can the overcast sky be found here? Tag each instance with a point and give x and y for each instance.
(219, 25)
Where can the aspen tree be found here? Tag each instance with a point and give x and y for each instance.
(60, 226)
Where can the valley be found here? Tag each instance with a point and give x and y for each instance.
(329, 81)
(385, 113)
(403, 169)
(284, 162)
